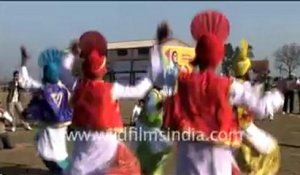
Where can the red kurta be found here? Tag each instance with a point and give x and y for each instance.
(94, 107)
(202, 105)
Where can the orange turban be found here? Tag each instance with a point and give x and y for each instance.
(210, 29)
(93, 47)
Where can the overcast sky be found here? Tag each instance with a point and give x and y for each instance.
(267, 25)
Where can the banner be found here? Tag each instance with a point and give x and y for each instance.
(180, 56)
(175, 60)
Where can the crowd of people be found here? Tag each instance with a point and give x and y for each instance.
(291, 95)
(72, 92)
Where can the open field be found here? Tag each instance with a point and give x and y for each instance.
(24, 161)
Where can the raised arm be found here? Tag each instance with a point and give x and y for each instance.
(26, 81)
(66, 71)
(155, 76)
(262, 106)
(131, 92)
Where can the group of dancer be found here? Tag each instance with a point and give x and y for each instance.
(72, 92)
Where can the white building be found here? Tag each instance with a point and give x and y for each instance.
(128, 61)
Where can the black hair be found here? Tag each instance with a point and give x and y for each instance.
(15, 73)
(157, 87)
(174, 53)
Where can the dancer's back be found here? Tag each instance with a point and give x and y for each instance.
(202, 102)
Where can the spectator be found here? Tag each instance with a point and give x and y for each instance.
(298, 83)
(5, 141)
(14, 102)
(137, 111)
(267, 83)
(289, 98)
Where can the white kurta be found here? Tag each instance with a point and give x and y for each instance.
(239, 95)
(66, 71)
(51, 143)
(101, 148)
(243, 93)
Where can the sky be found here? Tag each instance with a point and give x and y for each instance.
(38, 25)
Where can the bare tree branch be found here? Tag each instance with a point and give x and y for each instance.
(288, 58)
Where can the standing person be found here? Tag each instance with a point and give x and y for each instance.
(298, 93)
(154, 150)
(5, 140)
(289, 98)
(259, 153)
(14, 102)
(203, 103)
(136, 111)
(50, 107)
(69, 61)
(96, 113)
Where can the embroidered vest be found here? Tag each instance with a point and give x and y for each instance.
(94, 107)
(201, 107)
(50, 105)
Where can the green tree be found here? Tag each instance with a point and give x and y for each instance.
(227, 62)
(230, 54)
(250, 52)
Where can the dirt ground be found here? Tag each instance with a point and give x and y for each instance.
(23, 159)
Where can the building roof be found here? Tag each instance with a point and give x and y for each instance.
(260, 66)
(177, 42)
(130, 44)
(142, 43)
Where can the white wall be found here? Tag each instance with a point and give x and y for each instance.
(123, 63)
(131, 54)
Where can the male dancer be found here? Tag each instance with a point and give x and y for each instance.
(203, 102)
(96, 111)
(259, 153)
(68, 67)
(153, 147)
(50, 107)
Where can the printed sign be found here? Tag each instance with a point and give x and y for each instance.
(175, 60)
(180, 56)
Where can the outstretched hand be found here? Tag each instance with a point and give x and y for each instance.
(24, 56)
(163, 32)
(74, 47)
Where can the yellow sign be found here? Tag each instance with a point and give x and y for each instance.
(183, 56)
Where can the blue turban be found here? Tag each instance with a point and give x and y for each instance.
(50, 61)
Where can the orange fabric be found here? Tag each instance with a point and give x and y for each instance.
(94, 66)
(94, 107)
(93, 47)
(209, 51)
(243, 116)
(125, 163)
(210, 29)
(202, 105)
(210, 22)
(92, 40)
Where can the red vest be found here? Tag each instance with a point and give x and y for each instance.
(94, 107)
(201, 104)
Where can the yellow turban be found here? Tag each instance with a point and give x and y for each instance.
(241, 62)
